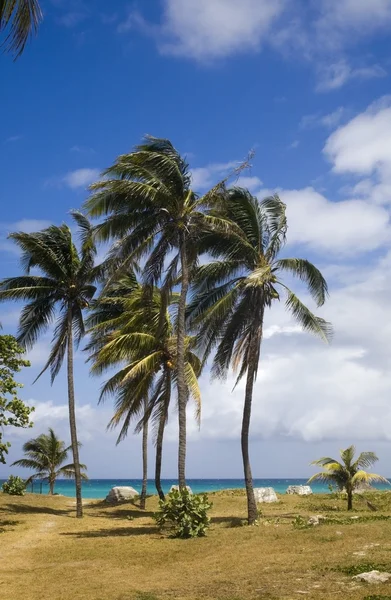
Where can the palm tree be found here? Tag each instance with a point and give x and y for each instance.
(349, 473)
(136, 332)
(20, 20)
(63, 290)
(233, 294)
(46, 455)
(152, 211)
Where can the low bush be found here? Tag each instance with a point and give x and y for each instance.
(14, 486)
(184, 514)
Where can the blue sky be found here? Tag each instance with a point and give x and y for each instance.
(304, 83)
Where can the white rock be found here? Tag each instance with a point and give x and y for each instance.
(300, 490)
(176, 487)
(315, 520)
(373, 577)
(265, 495)
(121, 494)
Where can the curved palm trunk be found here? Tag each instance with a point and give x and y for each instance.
(252, 512)
(72, 418)
(159, 444)
(181, 382)
(143, 496)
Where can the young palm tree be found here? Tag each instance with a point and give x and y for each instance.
(233, 294)
(64, 289)
(151, 210)
(20, 20)
(349, 473)
(46, 455)
(138, 335)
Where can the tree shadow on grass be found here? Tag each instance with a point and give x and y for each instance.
(114, 532)
(37, 510)
(103, 509)
(8, 525)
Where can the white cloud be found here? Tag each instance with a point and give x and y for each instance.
(361, 17)
(347, 227)
(205, 177)
(295, 144)
(13, 138)
(80, 178)
(329, 120)
(211, 29)
(336, 75)
(26, 225)
(363, 145)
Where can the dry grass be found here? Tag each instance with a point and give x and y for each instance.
(46, 553)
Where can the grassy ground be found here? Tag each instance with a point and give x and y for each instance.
(116, 553)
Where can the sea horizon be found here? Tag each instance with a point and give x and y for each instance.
(97, 489)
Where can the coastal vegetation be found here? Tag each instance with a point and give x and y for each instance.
(13, 411)
(63, 289)
(118, 552)
(45, 455)
(349, 474)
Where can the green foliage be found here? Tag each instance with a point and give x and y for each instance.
(377, 597)
(20, 20)
(185, 514)
(300, 523)
(14, 486)
(13, 412)
(46, 455)
(356, 569)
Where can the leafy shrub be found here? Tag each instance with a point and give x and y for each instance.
(14, 486)
(185, 514)
(362, 568)
(300, 523)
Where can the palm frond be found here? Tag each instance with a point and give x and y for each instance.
(308, 273)
(21, 18)
(308, 321)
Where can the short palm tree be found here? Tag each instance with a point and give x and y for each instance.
(151, 210)
(233, 293)
(135, 331)
(349, 473)
(46, 455)
(59, 294)
(20, 20)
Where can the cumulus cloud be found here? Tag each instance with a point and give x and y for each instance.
(342, 228)
(360, 17)
(80, 178)
(329, 120)
(205, 177)
(336, 75)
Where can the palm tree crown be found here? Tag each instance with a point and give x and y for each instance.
(46, 455)
(20, 19)
(349, 473)
(134, 331)
(233, 293)
(59, 294)
(151, 210)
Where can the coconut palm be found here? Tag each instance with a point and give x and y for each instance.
(349, 473)
(20, 20)
(233, 293)
(151, 210)
(137, 333)
(45, 455)
(59, 294)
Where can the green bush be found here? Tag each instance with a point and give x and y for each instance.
(14, 486)
(185, 514)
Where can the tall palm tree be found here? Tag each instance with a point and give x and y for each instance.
(233, 294)
(20, 20)
(151, 210)
(60, 294)
(349, 473)
(46, 454)
(135, 331)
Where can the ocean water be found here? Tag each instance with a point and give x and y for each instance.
(99, 488)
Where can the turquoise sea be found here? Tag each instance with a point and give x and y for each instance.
(99, 488)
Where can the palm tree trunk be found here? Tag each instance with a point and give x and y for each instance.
(350, 499)
(143, 496)
(51, 486)
(159, 442)
(181, 382)
(252, 512)
(72, 418)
